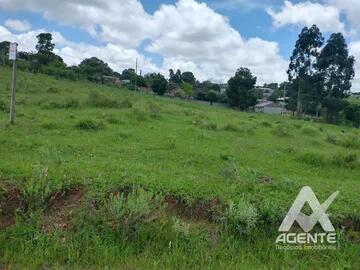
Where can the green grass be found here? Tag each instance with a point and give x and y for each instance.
(107, 139)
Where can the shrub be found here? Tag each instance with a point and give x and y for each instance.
(132, 211)
(140, 115)
(231, 172)
(231, 127)
(125, 104)
(154, 110)
(52, 90)
(90, 125)
(308, 131)
(346, 160)
(241, 218)
(210, 126)
(313, 159)
(101, 101)
(49, 125)
(266, 124)
(38, 190)
(347, 141)
(72, 103)
(282, 131)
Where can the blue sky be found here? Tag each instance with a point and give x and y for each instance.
(211, 38)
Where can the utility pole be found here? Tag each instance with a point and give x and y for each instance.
(284, 97)
(12, 56)
(299, 99)
(136, 68)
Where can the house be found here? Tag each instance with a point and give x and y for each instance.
(267, 92)
(269, 107)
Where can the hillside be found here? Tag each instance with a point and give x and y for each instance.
(77, 144)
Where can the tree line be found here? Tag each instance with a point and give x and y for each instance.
(319, 77)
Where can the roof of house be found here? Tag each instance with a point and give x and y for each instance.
(267, 104)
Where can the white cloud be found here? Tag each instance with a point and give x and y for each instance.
(351, 8)
(72, 53)
(188, 35)
(124, 22)
(354, 49)
(192, 36)
(17, 25)
(326, 17)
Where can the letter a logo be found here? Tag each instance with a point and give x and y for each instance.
(307, 223)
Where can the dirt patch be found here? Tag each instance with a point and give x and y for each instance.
(62, 209)
(10, 200)
(197, 210)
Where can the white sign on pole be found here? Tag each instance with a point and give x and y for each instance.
(12, 51)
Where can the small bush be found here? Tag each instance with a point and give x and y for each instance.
(347, 160)
(266, 124)
(154, 110)
(52, 90)
(308, 131)
(72, 103)
(113, 121)
(126, 104)
(38, 190)
(231, 127)
(230, 172)
(347, 141)
(282, 131)
(241, 218)
(49, 125)
(132, 211)
(313, 159)
(140, 115)
(101, 101)
(210, 126)
(90, 125)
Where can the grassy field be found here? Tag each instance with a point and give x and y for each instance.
(102, 176)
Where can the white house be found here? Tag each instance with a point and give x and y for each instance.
(269, 107)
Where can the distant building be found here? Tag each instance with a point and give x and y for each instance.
(355, 95)
(267, 92)
(223, 87)
(269, 107)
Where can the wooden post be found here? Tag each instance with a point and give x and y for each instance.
(13, 95)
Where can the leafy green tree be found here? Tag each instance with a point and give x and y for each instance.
(212, 96)
(352, 114)
(4, 51)
(44, 44)
(93, 69)
(302, 67)
(157, 82)
(175, 77)
(187, 88)
(239, 92)
(332, 107)
(336, 67)
(188, 77)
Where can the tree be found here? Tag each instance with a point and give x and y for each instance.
(175, 77)
(211, 96)
(352, 114)
(93, 69)
(187, 88)
(4, 51)
(188, 77)
(44, 44)
(239, 92)
(157, 82)
(336, 67)
(332, 108)
(302, 65)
